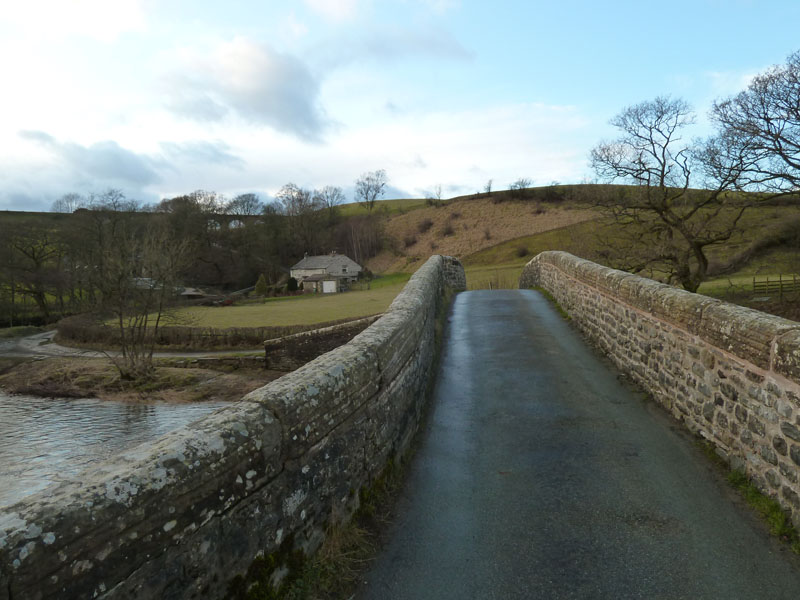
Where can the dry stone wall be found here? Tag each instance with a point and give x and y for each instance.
(729, 373)
(181, 517)
(293, 351)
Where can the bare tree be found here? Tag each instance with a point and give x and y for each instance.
(370, 187)
(139, 280)
(33, 252)
(244, 205)
(434, 196)
(518, 188)
(68, 203)
(660, 223)
(304, 214)
(112, 200)
(330, 197)
(487, 189)
(762, 125)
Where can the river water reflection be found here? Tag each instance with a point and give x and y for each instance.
(45, 440)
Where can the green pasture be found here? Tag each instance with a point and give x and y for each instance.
(401, 205)
(15, 332)
(586, 240)
(579, 239)
(297, 310)
(494, 276)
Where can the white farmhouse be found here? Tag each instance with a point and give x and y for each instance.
(326, 273)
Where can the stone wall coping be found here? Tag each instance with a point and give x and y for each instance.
(115, 517)
(279, 341)
(769, 342)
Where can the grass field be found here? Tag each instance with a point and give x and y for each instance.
(400, 205)
(298, 310)
(577, 239)
(15, 332)
(494, 277)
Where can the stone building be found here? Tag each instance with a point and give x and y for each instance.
(326, 273)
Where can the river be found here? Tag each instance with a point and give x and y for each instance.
(45, 440)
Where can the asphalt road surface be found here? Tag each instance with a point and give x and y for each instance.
(541, 475)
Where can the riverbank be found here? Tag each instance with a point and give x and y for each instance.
(60, 377)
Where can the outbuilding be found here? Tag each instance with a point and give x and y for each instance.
(326, 273)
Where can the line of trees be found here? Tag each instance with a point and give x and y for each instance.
(689, 194)
(51, 267)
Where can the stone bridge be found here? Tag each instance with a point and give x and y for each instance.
(261, 480)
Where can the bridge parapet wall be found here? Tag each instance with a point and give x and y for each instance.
(181, 517)
(729, 373)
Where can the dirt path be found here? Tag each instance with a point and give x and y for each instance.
(41, 345)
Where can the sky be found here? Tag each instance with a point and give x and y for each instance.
(162, 97)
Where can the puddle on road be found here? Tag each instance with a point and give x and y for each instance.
(45, 440)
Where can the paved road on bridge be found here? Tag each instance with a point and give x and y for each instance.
(541, 475)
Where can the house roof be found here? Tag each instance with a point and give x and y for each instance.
(190, 291)
(328, 262)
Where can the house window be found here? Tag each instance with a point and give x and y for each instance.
(344, 269)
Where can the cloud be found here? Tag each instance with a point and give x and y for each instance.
(391, 44)
(54, 19)
(37, 136)
(202, 152)
(294, 27)
(252, 81)
(104, 161)
(465, 148)
(441, 6)
(730, 82)
(334, 10)
(392, 108)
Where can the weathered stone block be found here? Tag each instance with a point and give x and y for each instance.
(789, 471)
(640, 292)
(756, 425)
(787, 353)
(791, 496)
(681, 308)
(773, 479)
(790, 431)
(742, 331)
(768, 454)
(708, 412)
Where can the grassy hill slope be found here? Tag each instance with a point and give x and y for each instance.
(464, 226)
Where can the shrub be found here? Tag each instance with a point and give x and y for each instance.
(410, 240)
(522, 251)
(292, 285)
(447, 229)
(455, 214)
(487, 235)
(434, 245)
(261, 286)
(424, 225)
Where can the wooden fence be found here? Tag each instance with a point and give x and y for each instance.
(776, 284)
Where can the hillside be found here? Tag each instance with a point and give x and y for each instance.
(464, 226)
(493, 235)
